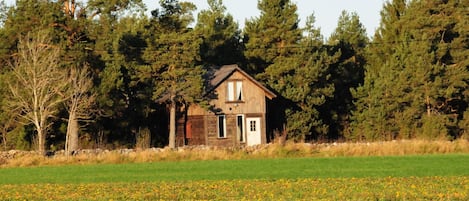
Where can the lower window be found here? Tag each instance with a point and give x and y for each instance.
(221, 126)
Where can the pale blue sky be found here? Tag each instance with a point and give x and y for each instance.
(326, 12)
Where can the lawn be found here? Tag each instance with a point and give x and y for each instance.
(435, 177)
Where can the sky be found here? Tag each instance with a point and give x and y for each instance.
(327, 12)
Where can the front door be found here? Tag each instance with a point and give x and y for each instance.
(253, 131)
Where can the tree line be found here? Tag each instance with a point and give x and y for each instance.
(104, 74)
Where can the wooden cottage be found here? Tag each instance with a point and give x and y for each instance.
(237, 114)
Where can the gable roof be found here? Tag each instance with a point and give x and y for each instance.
(217, 76)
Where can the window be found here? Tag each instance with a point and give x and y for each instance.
(230, 91)
(235, 91)
(239, 89)
(240, 126)
(252, 126)
(221, 126)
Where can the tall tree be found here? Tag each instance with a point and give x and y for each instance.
(109, 23)
(26, 16)
(303, 81)
(173, 54)
(221, 36)
(295, 66)
(273, 34)
(414, 86)
(38, 83)
(349, 38)
(80, 101)
(18, 21)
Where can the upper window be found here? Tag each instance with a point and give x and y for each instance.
(235, 91)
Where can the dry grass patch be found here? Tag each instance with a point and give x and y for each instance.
(391, 148)
(396, 148)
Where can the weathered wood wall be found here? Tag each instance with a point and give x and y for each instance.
(204, 122)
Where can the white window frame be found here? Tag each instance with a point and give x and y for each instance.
(223, 124)
(234, 91)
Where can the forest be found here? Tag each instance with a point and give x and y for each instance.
(93, 75)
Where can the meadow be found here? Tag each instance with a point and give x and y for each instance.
(416, 177)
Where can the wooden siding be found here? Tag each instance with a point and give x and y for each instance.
(204, 122)
(192, 132)
(253, 99)
(230, 138)
(197, 129)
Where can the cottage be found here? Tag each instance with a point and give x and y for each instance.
(237, 114)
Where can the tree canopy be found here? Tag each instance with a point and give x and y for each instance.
(409, 80)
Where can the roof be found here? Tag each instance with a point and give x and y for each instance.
(217, 76)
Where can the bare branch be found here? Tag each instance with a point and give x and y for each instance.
(37, 83)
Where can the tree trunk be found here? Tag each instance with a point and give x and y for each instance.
(172, 125)
(41, 140)
(71, 141)
(429, 109)
(143, 138)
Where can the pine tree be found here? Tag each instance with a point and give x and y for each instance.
(25, 17)
(173, 55)
(413, 87)
(221, 36)
(438, 80)
(272, 35)
(111, 68)
(349, 38)
(301, 76)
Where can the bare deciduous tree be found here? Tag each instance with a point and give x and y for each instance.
(38, 83)
(79, 103)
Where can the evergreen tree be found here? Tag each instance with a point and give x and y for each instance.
(173, 55)
(221, 36)
(274, 34)
(438, 79)
(296, 67)
(349, 38)
(414, 87)
(374, 99)
(8, 120)
(25, 17)
(108, 28)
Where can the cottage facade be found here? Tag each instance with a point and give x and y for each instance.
(236, 115)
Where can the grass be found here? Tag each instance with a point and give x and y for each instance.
(418, 177)
(392, 148)
(281, 168)
(424, 177)
(398, 170)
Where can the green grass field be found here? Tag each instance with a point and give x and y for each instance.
(435, 177)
